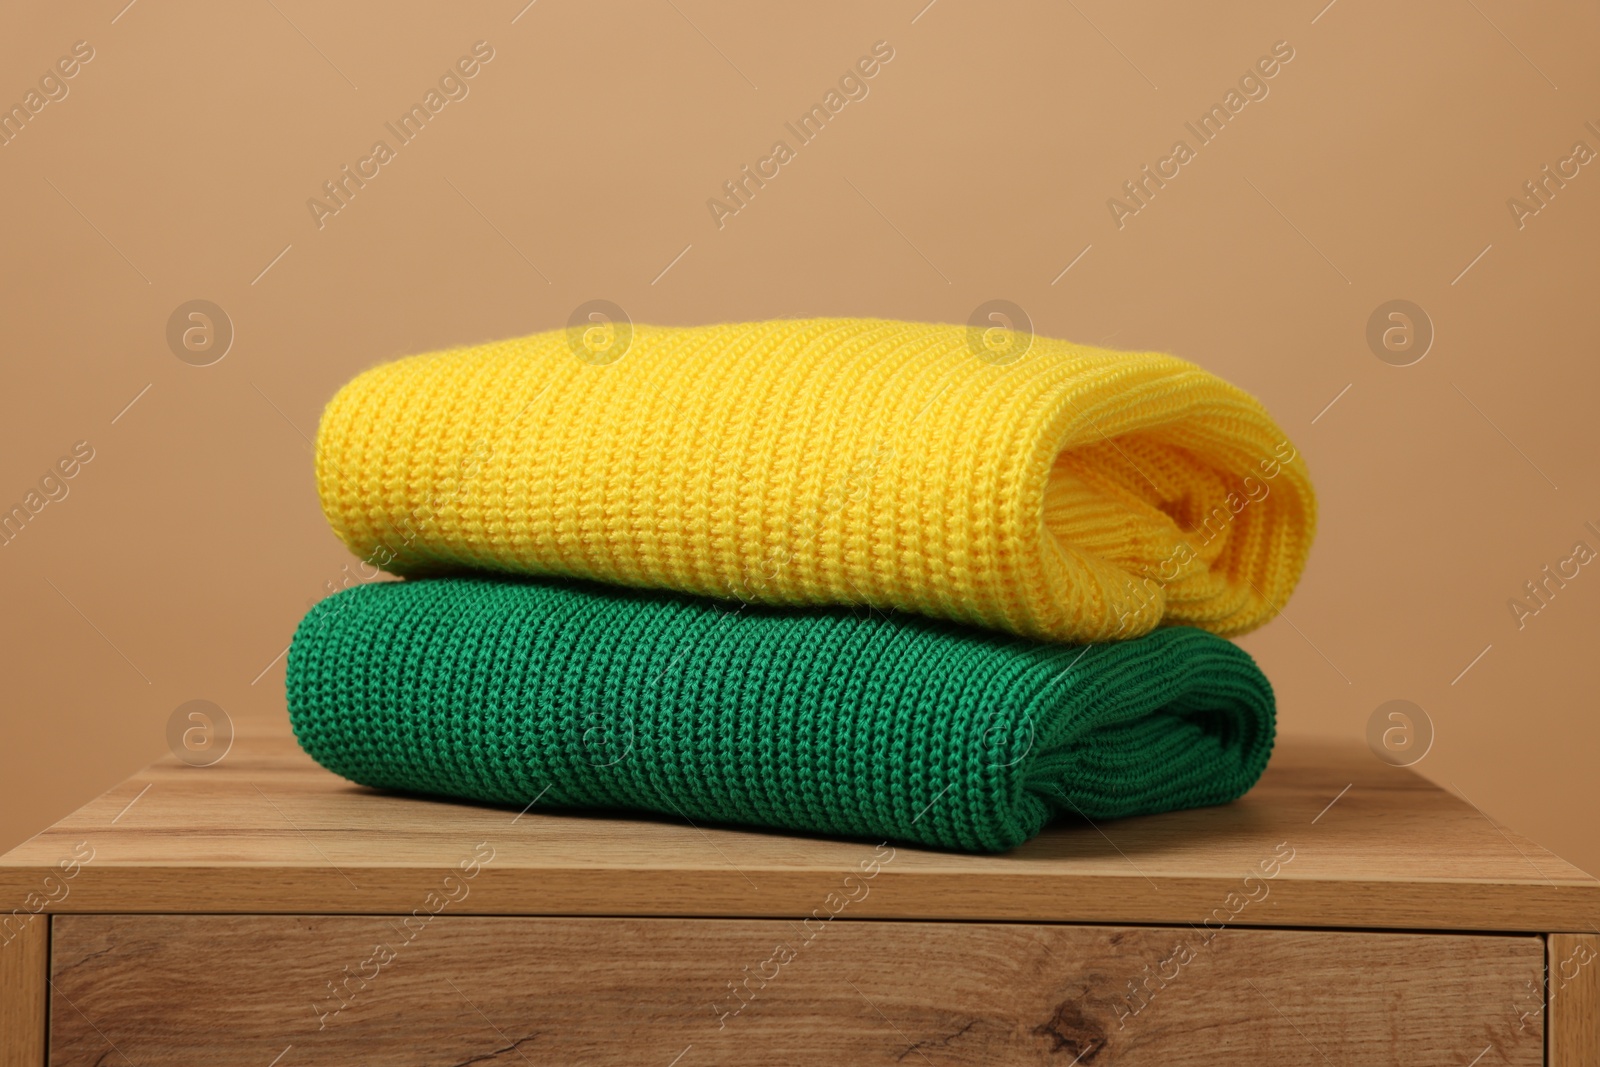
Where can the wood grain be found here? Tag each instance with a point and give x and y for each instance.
(24, 965)
(266, 830)
(242, 990)
(1573, 987)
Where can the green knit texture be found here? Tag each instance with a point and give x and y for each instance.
(853, 724)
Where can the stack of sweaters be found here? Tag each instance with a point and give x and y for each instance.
(839, 576)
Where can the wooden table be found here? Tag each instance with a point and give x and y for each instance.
(264, 912)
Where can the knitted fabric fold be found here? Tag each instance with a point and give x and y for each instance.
(826, 720)
(1040, 487)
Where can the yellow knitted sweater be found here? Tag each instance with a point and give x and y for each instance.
(1071, 494)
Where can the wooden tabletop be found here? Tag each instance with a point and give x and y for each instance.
(1331, 837)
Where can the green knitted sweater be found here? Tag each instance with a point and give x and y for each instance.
(846, 723)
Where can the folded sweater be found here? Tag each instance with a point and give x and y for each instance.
(851, 723)
(1053, 490)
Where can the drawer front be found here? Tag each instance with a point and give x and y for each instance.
(374, 990)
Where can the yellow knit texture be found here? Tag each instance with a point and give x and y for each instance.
(1073, 494)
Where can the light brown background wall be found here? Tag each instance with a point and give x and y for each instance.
(1378, 167)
